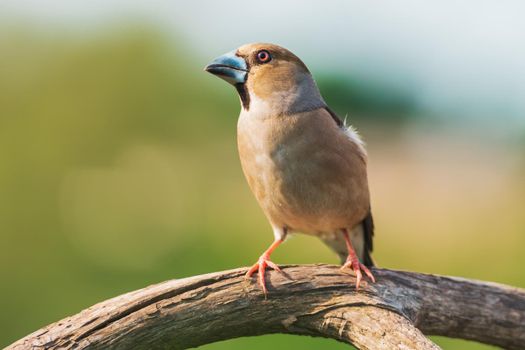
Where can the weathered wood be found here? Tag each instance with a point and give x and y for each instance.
(315, 300)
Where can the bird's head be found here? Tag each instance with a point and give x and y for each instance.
(269, 79)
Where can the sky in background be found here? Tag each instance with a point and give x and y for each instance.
(454, 58)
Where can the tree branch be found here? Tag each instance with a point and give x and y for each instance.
(315, 300)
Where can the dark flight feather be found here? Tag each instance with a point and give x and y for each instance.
(368, 232)
(334, 116)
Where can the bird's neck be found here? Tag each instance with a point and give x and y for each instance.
(300, 97)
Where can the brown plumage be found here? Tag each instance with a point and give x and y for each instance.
(304, 166)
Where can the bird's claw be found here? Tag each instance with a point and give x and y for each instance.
(357, 267)
(260, 268)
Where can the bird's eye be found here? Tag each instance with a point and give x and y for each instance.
(263, 56)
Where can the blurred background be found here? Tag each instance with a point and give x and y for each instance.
(118, 160)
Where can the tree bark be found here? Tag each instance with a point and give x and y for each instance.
(315, 300)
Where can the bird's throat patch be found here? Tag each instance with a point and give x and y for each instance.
(244, 95)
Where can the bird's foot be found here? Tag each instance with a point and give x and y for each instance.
(353, 263)
(260, 267)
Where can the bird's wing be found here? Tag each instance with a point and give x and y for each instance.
(365, 229)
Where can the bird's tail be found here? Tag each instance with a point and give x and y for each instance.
(368, 235)
(367, 259)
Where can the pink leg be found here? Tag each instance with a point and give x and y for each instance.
(353, 261)
(262, 263)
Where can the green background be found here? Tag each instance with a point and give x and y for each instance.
(119, 169)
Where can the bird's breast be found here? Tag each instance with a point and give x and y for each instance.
(304, 171)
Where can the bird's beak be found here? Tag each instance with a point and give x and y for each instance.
(229, 67)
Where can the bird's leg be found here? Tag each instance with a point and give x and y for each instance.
(262, 263)
(353, 261)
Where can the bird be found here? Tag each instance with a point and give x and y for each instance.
(306, 167)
